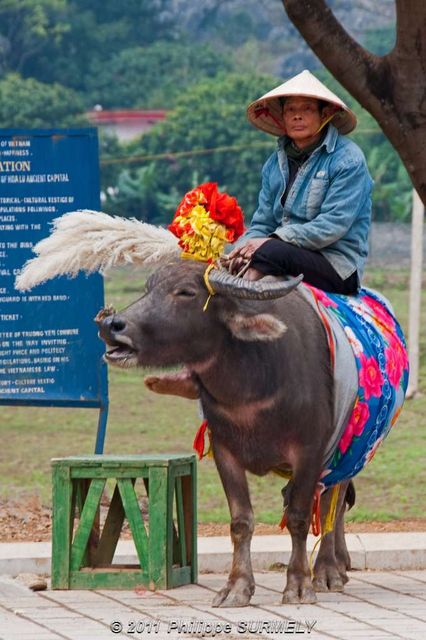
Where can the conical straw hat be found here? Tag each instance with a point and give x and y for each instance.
(266, 112)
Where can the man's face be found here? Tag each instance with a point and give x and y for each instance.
(302, 119)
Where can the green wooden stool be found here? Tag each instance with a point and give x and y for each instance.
(166, 545)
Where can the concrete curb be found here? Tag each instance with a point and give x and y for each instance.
(376, 551)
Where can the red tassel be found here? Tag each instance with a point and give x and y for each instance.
(316, 512)
(283, 522)
(315, 517)
(198, 444)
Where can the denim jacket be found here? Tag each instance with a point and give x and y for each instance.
(328, 208)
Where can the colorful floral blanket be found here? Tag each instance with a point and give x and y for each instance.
(381, 358)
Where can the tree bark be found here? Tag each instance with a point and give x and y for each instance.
(390, 87)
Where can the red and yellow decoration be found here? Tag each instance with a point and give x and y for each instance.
(205, 221)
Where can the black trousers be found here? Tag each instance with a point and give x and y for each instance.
(277, 258)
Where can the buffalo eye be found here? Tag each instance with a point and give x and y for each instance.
(184, 292)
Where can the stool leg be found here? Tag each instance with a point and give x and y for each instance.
(87, 519)
(160, 527)
(134, 517)
(61, 527)
(189, 497)
(80, 493)
(111, 531)
(181, 539)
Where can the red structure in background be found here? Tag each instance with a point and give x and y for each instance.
(126, 123)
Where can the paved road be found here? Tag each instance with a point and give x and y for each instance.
(375, 606)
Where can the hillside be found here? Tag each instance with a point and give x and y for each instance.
(280, 48)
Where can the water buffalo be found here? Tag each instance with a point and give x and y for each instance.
(260, 359)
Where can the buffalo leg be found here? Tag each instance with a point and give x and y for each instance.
(342, 555)
(240, 585)
(329, 571)
(299, 589)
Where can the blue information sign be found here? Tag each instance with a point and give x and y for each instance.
(49, 350)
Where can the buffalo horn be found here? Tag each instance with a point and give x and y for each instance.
(222, 281)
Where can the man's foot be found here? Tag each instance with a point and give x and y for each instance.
(174, 384)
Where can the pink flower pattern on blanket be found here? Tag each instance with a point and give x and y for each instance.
(356, 424)
(380, 314)
(396, 362)
(381, 359)
(370, 377)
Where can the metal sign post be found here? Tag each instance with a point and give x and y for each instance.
(50, 354)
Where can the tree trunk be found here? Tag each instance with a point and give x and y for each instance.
(390, 87)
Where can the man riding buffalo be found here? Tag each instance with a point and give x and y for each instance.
(314, 209)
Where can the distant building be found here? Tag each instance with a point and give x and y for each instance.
(126, 124)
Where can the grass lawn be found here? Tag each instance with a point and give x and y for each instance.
(391, 487)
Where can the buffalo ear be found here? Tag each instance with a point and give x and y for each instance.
(262, 326)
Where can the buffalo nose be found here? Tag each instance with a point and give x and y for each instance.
(110, 326)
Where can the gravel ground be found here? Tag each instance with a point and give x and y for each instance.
(28, 520)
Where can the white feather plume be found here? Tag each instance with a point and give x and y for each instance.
(94, 241)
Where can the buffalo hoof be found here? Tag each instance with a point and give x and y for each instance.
(323, 584)
(329, 578)
(236, 595)
(343, 562)
(342, 573)
(305, 595)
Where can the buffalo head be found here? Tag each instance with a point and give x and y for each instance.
(170, 325)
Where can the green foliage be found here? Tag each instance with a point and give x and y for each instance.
(138, 195)
(29, 103)
(392, 194)
(136, 192)
(238, 25)
(153, 76)
(253, 54)
(210, 115)
(92, 31)
(109, 148)
(136, 22)
(26, 27)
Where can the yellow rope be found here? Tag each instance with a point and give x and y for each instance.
(207, 302)
(311, 557)
(208, 285)
(331, 515)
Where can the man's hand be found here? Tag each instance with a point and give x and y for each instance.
(240, 256)
(246, 250)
